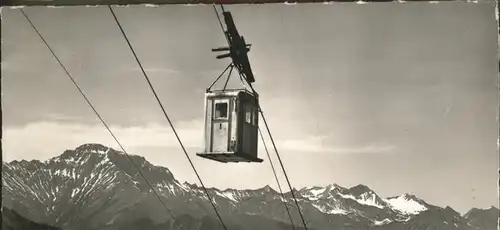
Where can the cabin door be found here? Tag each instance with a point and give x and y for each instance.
(220, 125)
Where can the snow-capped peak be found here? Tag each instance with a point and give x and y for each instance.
(268, 188)
(335, 196)
(83, 153)
(315, 192)
(93, 148)
(360, 189)
(367, 198)
(407, 204)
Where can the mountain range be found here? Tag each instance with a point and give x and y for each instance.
(96, 187)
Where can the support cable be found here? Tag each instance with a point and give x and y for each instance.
(99, 116)
(278, 155)
(168, 118)
(284, 171)
(228, 76)
(213, 83)
(265, 122)
(277, 180)
(220, 23)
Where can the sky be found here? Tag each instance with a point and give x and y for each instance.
(399, 97)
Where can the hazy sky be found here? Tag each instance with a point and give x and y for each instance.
(400, 97)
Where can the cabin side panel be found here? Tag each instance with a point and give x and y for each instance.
(249, 138)
(255, 131)
(208, 124)
(250, 129)
(245, 139)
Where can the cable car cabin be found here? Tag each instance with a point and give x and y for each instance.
(231, 126)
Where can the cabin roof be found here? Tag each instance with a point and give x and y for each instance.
(229, 92)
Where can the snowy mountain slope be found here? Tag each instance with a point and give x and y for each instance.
(82, 179)
(407, 204)
(97, 186)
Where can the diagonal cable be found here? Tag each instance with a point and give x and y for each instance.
(284, 171)
(277, 180)
(98, 115)
(265, 122)
(278, 155)
(167, 117)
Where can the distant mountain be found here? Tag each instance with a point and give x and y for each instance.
(96, 187)
(483, 218)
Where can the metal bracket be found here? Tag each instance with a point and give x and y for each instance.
(231, 67)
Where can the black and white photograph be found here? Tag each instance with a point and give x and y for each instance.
(310, 116)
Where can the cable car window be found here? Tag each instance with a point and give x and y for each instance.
(221, 110)
(248, 114)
